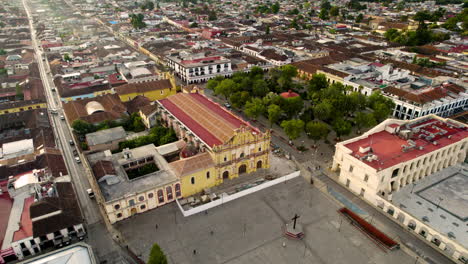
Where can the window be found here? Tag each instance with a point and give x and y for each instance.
(177, 190)
(160, 196)
(351, 168)
(131, 202)
(260, 149)
(225, 159)
(117, 206)
(207, 174)
(150, 195)
(143, 207)
(141, 198)
(366, 178)
(119, 215)
(23, 246)
(395, 172)
(169, 192)
(242, 155)
(192, 180)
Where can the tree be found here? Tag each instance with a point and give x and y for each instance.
(82, 127)
(3, 52)
(381, 111)
(274, 113)
(323, 110)
(292, 106)
(225, 87)
(212, 15)
(260, 88)
(256, 71)
(316, 131)
(156, 255)
(275, 8)
(359, 18)
(66, 57)
(288, 71)
(325, 5)
(267, 30)
(293, 128)
(358, 99)
(254, 108)
(341, 127)
(238, 99)
(317, 83)
(364, 120)
(323, 14)
(211, 84)
(137, 21)
(194, 25)
(334, 11)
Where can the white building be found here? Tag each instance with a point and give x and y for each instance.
(197, 68)
(398, 153)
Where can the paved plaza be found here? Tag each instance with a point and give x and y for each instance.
(248, 230)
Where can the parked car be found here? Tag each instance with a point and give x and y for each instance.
(228, 106)
(77, 159)
(71, 142)
(75, 152)
(62, 117)
(90, 193)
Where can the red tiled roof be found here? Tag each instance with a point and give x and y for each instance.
(210, 122)
(25, 229)
(289, 94)
(388, 147)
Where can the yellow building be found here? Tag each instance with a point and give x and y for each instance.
(333, 75)
(154, 90)
(20, 106)
(224, 146)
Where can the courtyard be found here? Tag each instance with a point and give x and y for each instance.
(248, 230)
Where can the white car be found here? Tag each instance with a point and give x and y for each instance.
(90, 193)
(77, 159)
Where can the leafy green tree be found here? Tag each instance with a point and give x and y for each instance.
(156, 255)
(323, 110)
(364, 120)
(293, 128)
(323, 14)
(317, 83)
(194, 25)
(211, 84)
(274, 113)
(66, 57)
(325, 5)
(267, 30)
(275, 8)
(254, 108)
(334, 11)
(358, 99)
(212, 15)
(317, 131)
(288, 71)
(293, 106)
(260, 88)
(381, 111)
(359, 18)
(225, 87)
(3, 52)
(137, 21)
(82, 127)
(256, 71)
(341, 127)
(239, 98)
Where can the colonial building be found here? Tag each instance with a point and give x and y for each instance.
(234, 145)
(396, 153)
(197, 68)
(154, 90)
(397, 158)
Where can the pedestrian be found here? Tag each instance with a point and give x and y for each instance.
(206, 212)
(156, 226)
(194, 251)
(211, 232)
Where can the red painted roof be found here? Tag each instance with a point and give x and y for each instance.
(5, 208)
(289, 94)
(209, 121)
(26, 223)
(388, 147)
(196, 128)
